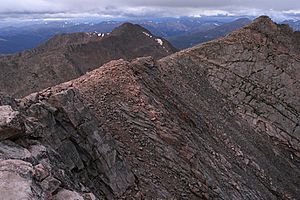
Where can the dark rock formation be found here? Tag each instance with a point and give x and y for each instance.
(257, 68)
(218, 121)
(63, 147)
(69, 56)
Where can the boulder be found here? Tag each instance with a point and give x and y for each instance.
(16, 180)
(67, 194)
(11, 125)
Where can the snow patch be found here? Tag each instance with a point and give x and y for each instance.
(159, 41)
(101, 34)
(147, 34)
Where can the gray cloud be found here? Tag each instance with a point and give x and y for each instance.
(148, 8)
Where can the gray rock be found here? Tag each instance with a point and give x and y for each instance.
(10, 150)
(50, 184)
(41, 172)
(16, 180)
(10, 124)
(67, 194)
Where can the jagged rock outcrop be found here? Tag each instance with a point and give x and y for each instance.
(257, 68)
(62, 150)
(69, 56)
(176, 128)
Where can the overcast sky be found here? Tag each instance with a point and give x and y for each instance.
(143, 8)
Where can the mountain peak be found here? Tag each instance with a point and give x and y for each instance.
(264, 18)
(263, 24)
(129, 27)
(136, 33)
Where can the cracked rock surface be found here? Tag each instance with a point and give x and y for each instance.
(258, 69)
(64, 148)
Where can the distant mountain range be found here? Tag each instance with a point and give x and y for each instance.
(293, 23)
(182, 32)
(18, 38)
(195, 37)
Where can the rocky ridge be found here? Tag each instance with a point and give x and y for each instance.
(57, 151)
(257, 68)
(69, 56)
(177, 128)
(72, 39)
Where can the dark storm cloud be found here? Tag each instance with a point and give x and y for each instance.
(137, 8)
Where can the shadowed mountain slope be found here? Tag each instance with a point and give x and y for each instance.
(69, 56)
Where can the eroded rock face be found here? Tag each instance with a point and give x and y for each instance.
(182, 137)
(258, 69)
(67, 149)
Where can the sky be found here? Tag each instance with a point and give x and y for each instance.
(22, 9)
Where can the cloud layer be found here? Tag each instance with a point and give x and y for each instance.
(142, 8)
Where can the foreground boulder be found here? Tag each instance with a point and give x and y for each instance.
(16, 180)
(10, 124)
